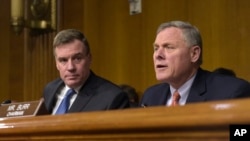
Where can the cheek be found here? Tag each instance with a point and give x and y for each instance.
(84, 66)
(172, 58)
(58, 66)
(177, 60)
(88, 62)
(154, 56)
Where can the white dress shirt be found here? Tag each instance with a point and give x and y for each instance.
(62, 94)
(183, 91)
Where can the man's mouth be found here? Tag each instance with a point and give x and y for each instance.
(161, 66)
(71, 76)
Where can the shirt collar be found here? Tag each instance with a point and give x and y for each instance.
(185, 87)
(75, 89)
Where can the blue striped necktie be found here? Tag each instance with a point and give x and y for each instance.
(63, 108)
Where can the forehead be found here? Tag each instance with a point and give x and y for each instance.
(73, 46)
(170, 33)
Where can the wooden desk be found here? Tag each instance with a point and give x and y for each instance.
(193, 122)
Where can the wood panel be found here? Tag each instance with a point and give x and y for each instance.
(121, 44)
(193, 122)
(38, 60)
(5, 50)
(39, 65)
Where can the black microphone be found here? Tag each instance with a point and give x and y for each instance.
(6, 102)
(144, 105)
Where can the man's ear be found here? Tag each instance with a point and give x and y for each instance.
(90, 58)
(57, 66)
(195, 53)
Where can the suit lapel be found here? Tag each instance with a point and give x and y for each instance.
(85, 94)
(81, 100)
(158, 95)
(165, 93)
(198, 88)
(52, 95)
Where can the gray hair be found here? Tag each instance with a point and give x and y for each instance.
(69, 35)
(190, 33)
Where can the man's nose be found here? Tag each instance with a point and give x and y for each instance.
(70, 65)
(159, 53)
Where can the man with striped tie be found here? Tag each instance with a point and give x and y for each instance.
(177, 59)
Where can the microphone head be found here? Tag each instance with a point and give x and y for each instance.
(144, 105)
(6, 102)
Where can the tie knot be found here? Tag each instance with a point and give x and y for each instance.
(70, 92)
(176, 98)
(63, 107)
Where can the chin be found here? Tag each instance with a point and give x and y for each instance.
(72, 84)
(162, 78)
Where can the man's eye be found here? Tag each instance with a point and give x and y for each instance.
(78, 59)
(155, 48)
(62, 60)
(169, 47)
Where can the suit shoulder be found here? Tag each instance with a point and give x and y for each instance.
(155, 95)
(228, 85)
(215, 78)
(158, 86)
(228, 79)
(53, 83)
(156, 89)
(106, 84)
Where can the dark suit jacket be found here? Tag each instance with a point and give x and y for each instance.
(207, 86)
(96, 94)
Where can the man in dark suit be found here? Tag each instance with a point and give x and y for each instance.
(89, 92)
(177, 59)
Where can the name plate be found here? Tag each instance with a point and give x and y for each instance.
(23, 109)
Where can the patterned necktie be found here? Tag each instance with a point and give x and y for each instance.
(176, 98)
(63, 108)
